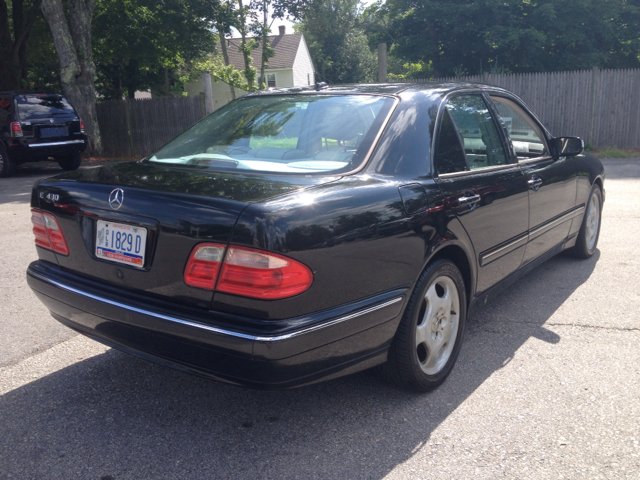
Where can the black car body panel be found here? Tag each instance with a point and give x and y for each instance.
(366, 234)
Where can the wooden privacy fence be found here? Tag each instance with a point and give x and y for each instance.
(139, 127)
(601, 106)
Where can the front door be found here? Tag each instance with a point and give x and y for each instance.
(483, 185)
(552, 183)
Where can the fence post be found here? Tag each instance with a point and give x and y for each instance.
(129, 129)
(208, 93)
(382, 63)
(595, 74)
(202, 108)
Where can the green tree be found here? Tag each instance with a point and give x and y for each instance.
(16, 21)
(475, 36)
(145, 44)
(337, 43)
(70, 25)
(42, 62)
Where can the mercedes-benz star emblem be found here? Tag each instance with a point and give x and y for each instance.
(116, 198)
(51, 120)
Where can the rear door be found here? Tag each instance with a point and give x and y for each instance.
(552, 183)
(484, 187)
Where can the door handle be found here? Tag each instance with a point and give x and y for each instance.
(468, 200)
(535, 182)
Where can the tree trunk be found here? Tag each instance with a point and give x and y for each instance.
(225, 56)
(13, 51)
(77, 71)
(245, 54)
(263, 60)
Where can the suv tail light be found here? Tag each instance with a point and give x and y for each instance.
(247, 272)
(81, 126)
(48, 233)
(16, 129)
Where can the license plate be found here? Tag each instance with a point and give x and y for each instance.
(53, 132)
(121, 243)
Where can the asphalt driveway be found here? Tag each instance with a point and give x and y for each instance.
(547, 386)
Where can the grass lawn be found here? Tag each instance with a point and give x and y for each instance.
(613, 152)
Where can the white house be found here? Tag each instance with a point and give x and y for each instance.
(291, 66)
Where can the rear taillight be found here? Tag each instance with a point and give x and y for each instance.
(246, 272)
(203, 266)
(16, 129)
(47, 232)
(252, 273)
(81, 126)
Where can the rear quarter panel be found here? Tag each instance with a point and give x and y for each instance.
(355, 236)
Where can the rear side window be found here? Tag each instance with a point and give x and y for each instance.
(473, 120)
(31, 107)
(449, 157)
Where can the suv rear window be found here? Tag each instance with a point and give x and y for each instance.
(32, 107)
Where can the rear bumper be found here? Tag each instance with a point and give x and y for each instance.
(317, 347)
(29, 149)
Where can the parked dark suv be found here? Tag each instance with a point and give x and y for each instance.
(38, 126)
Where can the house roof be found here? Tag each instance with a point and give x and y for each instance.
(285, 48)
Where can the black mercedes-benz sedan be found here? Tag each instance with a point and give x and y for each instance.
(298, 235)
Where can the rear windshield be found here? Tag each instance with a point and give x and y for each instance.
(282, 134)
(32, 107)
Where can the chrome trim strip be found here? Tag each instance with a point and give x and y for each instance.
(489, 257)
(479, 171)
(53, 144)
(530, 161)
(230, 333)
(564, 218)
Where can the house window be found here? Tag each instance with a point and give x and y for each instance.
(271, 80)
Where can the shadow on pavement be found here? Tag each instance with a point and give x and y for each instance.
(114, 416)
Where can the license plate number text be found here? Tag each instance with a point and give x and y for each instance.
(121, 243)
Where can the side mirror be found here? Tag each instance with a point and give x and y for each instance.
(567, 146)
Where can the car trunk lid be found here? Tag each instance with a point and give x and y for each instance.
(175, 209)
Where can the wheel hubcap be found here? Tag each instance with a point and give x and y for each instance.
(437, 327)
(593, 221)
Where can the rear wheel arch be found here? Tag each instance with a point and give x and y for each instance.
(456, 254)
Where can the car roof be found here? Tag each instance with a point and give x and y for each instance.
(441, 88)
(26, 92)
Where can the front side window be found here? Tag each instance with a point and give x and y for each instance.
(282, 134)
(525, 134)
(477, 130)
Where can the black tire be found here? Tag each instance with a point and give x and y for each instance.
(70, 162)
(7, 166)
(587, 240)
(410, 364)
